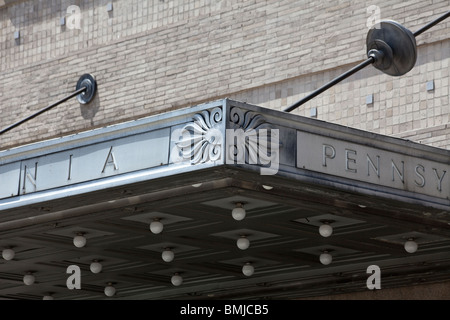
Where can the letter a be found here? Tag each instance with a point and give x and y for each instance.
(74, 281)
(110, 160)
(374, 281)
(374, 19)
(74, 19)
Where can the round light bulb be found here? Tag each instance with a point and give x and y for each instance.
(325, 230)
(110, 291)
(243, 243)
(197, 185)
(411, 246)
(79, 241)
(156, 227)
(96, 267)
(176, 280)
(326, 258)
(238, 213)
(168, 255)
(248, 270)
(47, 298)
(267, 187)
(8, 254)
(28, 279)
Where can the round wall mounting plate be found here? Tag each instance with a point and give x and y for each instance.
(397, 44)
(90, 84)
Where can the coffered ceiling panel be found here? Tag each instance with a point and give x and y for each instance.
(284, 245)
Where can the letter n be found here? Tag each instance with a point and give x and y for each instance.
(374, 281)
(74, 281)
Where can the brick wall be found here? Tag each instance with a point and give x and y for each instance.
(402, 106)
(150, 56)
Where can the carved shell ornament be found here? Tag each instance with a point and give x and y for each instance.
(251, 140)
(201, 141)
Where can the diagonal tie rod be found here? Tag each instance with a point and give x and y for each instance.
(85, 91)
(391, 49)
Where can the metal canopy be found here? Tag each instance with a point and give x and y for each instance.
(188, 169)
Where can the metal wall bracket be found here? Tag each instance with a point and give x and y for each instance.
(397, 45)
(391, 48)
(86, 81)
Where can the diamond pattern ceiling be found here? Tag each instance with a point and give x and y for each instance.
(281, 225)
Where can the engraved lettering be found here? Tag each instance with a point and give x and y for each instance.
(400, 174)
(371, 164)
(29, 176)
(69, 177)
(110, 160)
(420, 175)
(349, 160)
(439, 186)
(329, 152)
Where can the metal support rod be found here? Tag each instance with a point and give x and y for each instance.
(81, 90)
(432, 23)
(360, 66)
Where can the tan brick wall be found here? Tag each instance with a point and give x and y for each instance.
(402, 107)
(150, 56)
